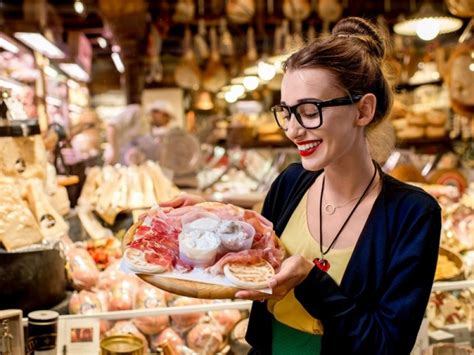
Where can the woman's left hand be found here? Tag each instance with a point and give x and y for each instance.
(292, 272)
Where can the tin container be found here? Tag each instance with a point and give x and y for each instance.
(122, 345)
(42, 332)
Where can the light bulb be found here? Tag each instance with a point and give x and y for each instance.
(238, 90)
(230, 97)
(427, 29)
(79, 7)
(266, 71)
(102, 42)
(471, 67)
(250, 82)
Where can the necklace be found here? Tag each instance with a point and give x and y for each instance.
(330, 208)
(321, 262)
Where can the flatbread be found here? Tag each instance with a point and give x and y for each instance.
(134, 259)
(254, 276)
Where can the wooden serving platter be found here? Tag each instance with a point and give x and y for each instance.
(190, 288)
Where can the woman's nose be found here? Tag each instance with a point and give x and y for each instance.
(294, 128)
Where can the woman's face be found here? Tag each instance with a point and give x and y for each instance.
(334, 140)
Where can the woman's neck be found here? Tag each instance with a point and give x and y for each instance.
(348, 178)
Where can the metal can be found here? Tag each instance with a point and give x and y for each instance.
(122, 345)
(42, 332)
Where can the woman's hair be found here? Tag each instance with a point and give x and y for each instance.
(355, 53)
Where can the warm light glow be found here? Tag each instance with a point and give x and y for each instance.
(471, 67)
(79, 7)
(116, 48)
(230, 97)
(102, 42)
(75, 71)
(118, 62)
(8, 45)
(40, 44)
(427, 29)
(412, 27)
(238, 90)
(250, 83)
(266, 71)
(51, 72)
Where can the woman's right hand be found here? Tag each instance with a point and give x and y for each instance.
(183, 200)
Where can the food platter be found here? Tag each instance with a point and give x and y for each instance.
(208, 251)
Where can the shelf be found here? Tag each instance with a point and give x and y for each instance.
(445, 142)
(117, 315)
(452, 285)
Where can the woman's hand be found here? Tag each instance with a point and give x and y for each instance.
(292, 272)
(183, 200)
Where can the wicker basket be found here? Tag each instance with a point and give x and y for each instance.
(457, 260)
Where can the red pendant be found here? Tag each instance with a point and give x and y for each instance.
(322, 264)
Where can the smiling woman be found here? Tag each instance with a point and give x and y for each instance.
(361, 245)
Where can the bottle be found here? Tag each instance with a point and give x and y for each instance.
(42, 333)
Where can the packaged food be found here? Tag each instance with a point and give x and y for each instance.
(150, 297)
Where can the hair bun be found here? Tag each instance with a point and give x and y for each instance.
(363, 30)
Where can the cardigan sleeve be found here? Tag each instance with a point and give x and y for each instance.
(389, 324)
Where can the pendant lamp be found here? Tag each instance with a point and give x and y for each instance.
(427, 23)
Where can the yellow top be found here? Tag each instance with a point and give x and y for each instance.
(297, 239)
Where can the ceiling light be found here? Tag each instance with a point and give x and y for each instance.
(74, 71)
(102, 42)
(230, 97)
(278, 60)
(266, 71)
(118, 62)
(238, 90)
(250, 82)
(7, 44)
(41, 44)
(11, 84)
(79, 7)
(203, 101)
(427, 23)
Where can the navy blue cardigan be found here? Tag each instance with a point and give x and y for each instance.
(380, 303)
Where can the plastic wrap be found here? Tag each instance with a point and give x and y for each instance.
(122, 293)
(205, 338)
(150, 297)
(82, 269)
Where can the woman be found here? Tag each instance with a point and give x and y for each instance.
(363, 246)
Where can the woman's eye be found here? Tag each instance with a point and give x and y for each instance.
(309, 111)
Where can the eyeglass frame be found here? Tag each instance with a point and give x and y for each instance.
(339, 101)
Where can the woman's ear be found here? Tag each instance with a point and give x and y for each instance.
(366, 108)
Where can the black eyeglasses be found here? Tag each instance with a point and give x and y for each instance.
(309, 113)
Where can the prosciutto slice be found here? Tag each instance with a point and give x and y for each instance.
(158, 236)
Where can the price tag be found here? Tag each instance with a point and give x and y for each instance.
(78, 336)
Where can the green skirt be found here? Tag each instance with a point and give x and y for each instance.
(287, 340)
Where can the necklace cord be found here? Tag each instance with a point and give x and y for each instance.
(347, 219)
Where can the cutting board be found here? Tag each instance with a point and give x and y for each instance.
(190, 288)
